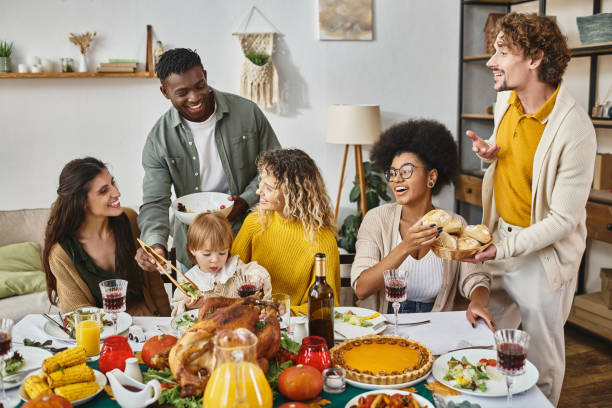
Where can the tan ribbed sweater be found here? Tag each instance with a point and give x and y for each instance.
(73, 292)
(288, 255)
(561, 182)
(378, 236)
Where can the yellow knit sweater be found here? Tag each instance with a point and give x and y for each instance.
(288, 254)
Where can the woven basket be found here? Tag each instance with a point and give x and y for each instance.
(596, 28)
(457, 254)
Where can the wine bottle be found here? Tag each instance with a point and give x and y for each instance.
(321, 304)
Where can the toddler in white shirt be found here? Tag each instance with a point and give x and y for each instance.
(215, 273)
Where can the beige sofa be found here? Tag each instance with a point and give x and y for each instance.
(21, 226)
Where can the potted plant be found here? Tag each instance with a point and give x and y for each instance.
(6, 49)
(376, 189)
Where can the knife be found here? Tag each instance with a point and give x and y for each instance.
(467, 348)
(380, 324)
(65, 330)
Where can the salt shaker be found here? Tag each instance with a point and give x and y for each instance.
(334, 381)
(132, 369)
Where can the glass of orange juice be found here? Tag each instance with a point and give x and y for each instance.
(87, 326)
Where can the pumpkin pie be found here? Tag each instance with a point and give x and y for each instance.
(382, 360)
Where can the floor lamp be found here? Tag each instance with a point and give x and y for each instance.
(353, 125)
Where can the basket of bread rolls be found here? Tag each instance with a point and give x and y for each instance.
(456, 241)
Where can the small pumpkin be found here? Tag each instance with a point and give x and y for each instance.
(293, 404)
(48, 401)
(155, 351)
(300, 382)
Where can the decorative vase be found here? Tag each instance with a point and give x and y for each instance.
(5, 64)
(82, 63)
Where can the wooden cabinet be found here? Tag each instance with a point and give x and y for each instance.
(599, 219)
(469, 189)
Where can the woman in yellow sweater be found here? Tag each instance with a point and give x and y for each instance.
(293, 221)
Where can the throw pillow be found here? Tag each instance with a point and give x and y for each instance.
(20, 283)
(22, 257)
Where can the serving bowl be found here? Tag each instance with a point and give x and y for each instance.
(198, 203)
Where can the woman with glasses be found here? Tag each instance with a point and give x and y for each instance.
(419, 157)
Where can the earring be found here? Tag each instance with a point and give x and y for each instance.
(431, 184)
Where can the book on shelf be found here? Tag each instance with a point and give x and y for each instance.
(119, 64)
(116, 69)
(122, 60)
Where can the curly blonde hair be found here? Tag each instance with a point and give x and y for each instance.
(300, 182)
(536, 34)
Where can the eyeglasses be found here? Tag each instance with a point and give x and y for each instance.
(405, 172)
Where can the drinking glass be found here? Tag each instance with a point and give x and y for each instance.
(395, 289)
(87, 326)
(511, 354)
(6, 326)
(284, 309)
(249, 284)
(314, 352)
(113, 298)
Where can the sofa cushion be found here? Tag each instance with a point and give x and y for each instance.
(23, 225)
(22, 257)
(21, 283)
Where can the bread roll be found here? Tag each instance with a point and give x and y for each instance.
(438, 217)
(464, 242)
(453, 227)
(447, 240)
(479, 232)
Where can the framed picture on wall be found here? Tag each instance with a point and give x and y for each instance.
(345, 20)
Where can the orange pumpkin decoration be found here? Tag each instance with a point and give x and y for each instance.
(156, 350)
(48, 401)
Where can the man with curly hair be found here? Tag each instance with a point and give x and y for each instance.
(534, 193)
(207, 141)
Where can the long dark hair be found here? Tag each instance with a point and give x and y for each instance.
(68, 213)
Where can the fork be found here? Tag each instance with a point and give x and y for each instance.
(52, 320)
(384, 322)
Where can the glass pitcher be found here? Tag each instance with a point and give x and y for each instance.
(237, 381)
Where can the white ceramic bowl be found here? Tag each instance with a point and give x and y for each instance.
(197, 203)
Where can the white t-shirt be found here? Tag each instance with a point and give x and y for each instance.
(211, 174)
(424, 276)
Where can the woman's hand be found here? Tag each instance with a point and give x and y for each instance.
(146, 262)
(478, 308)
(420, 235)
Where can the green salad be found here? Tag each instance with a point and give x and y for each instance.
(353, 319)
(467, 375)
(14, 363)
(188, 287)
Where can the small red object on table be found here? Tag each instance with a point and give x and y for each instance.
(115, 351)
(314, 352)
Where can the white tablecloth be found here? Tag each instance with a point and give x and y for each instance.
(447, 331)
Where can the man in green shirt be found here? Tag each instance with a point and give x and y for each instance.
(207, 141)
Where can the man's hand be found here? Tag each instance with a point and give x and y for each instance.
(145, 261)
(482, 148)
(485, 255)
(476, 310)
(240, 207)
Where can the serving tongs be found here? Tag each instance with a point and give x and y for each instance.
(61, 326)
(157, 258)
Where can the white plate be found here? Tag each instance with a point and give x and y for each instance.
(124, 321)
(494, 388)
(100, 379)
(33, 356)
(359, 331)
(421, 400)
(182, 329)
(197, 203)
(366, 386)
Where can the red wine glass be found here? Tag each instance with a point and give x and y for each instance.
(248, 285)
(6, 327)
(511, 355)
(395, 289)
(113, 298)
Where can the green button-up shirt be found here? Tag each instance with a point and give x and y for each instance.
(170, 158)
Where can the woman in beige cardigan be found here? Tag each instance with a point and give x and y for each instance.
(90, 238)
(419, 158)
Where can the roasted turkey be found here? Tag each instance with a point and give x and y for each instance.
(191, 358)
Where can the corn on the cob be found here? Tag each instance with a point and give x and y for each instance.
(73, 392)
(35, 386)
(70, 375)
(64, 359)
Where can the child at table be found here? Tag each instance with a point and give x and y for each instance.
(209, 240)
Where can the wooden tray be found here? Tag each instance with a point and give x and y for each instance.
(457, 254)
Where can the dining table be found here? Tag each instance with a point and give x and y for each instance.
(446, 331)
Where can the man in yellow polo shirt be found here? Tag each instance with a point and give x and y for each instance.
(534, 193)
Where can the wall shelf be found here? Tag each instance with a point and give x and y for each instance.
(584, 50)
(599, 123)
(79, 75)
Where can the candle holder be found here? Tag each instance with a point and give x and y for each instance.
(334, 380)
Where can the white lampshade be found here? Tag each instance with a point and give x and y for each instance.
(353, 124)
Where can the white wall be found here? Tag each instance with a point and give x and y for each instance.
(410, 69)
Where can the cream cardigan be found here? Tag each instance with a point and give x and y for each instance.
(562, 175)
(378, 236)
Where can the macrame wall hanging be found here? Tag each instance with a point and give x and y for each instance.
(258, 79)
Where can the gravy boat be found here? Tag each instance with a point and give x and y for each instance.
(146, 394)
